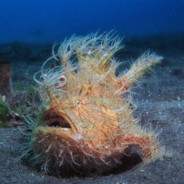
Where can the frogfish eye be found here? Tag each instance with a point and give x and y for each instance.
(61, 82)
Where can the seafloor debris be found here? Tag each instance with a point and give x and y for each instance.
(85, 123)
(5, 79)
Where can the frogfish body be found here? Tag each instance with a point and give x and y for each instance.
(86, 122)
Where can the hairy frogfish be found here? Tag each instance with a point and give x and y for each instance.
(86, 121)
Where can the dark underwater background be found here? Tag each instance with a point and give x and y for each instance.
(28, 29)
(43, 21)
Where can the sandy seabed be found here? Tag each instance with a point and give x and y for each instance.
(160, 102)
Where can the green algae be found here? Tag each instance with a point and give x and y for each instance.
(5, 115)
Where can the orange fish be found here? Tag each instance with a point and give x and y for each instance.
(86, 122)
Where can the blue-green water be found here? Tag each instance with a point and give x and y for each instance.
(51, 20)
